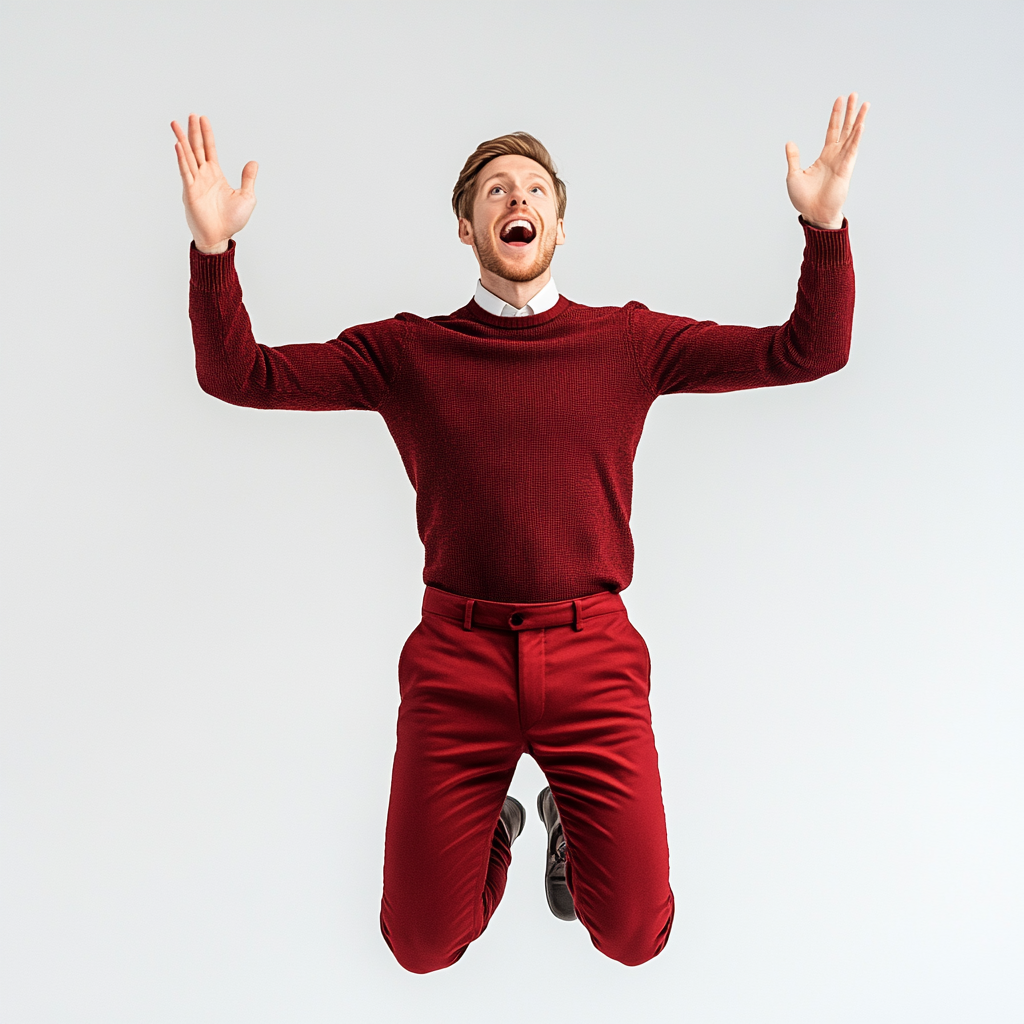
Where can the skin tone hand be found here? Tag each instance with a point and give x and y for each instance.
(214, 210)
(820, 191)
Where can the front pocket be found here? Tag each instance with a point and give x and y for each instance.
(403, 683)
(647, 653)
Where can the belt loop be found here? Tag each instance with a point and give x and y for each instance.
(577, 618)
(467, 620)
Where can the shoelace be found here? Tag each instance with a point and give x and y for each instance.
(560, 850)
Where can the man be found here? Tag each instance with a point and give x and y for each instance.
(517, 418)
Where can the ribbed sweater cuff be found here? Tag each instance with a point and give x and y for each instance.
(212, 272)
(827, 246)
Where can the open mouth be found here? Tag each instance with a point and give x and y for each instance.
(518, 232)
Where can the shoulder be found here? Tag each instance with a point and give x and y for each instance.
(393, 327)
(632, 310)
(378, 336)
(601, 312)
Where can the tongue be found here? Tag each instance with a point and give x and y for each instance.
(518, 234)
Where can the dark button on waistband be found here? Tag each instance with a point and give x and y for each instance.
(515, 619)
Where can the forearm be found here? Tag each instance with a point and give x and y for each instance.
(815, 341)
(229, 365)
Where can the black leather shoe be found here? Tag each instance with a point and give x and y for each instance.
(557, 892)
(513, 818)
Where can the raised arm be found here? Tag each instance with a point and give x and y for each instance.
(354, 371)
(678, 354)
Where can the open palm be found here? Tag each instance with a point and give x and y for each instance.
(819, 192)
(214, 210)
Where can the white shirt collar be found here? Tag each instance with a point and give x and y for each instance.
(540, 303)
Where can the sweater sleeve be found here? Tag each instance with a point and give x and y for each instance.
(354, 371)
(678, 354)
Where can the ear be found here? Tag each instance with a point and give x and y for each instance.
(465, 231)
(560, 232)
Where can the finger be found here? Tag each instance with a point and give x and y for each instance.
(249, 176)
(848, 154)
(853, 141)
(182, 138)
(832, 135)
(793, 157)
(209, 146)
(195, 137)
(851, 106)
(186, 172)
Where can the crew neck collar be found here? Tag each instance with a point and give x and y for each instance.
(515, 323)
(497, 306)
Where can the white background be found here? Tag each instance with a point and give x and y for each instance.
(205, 604)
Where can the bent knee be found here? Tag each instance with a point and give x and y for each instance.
(632, 952)
(637, 944)
(421, 953)
(422, 962)
(633, 955)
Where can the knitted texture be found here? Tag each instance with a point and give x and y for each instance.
(519, 434)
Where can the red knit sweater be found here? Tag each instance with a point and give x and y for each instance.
(518, 434)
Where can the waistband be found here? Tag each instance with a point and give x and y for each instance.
(515, 617)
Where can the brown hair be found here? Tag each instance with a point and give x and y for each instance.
(514, 144)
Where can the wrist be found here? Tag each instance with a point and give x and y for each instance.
(213, 249)
(833, 224)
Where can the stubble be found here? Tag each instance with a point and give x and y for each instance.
(509, 271)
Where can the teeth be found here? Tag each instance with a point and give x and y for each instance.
(518, 224)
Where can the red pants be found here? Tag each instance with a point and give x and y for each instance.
(483, 683)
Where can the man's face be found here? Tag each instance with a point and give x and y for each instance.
(515, 225)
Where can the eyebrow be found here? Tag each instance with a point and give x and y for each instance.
(504, 176)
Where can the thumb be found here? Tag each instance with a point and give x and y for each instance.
(249, 176)
(793, 157)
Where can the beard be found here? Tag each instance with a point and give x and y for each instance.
(510, 270)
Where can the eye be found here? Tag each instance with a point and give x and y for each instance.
(537, 188)
(495, 190)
